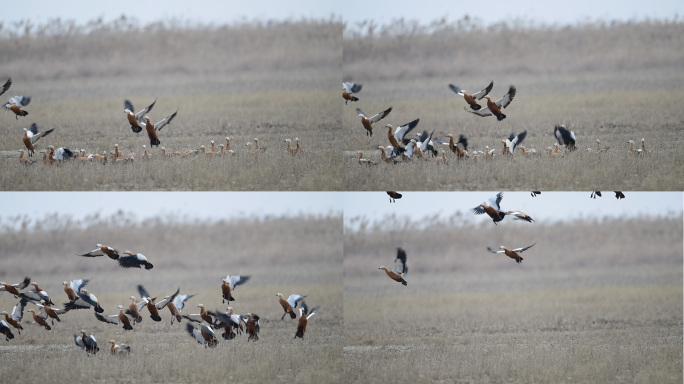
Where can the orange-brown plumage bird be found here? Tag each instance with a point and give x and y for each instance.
(368, 122)
(512, 253)
(304, 316)
(472, 99)
(399, 270)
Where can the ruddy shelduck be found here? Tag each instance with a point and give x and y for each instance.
(252, 327)
(393, 195)
(72, 287)
(120, 318)
(290, 304)
(512, 253)
(5, 330)
(519, 215)
(85, 300)
(228, 285)
(134, 260)
(304, 316)
(494, 108)
(17, 314)
(512, 142)
(348, 91)
(471, 99)
(151, 305)
(135, 119)
(365, 161)
(565, 137)
(48, 311)
(87, 342)
(399, 270)
(493, 209)
(40, 320)
(119, 349)
(31, 135)
(204, 335)
(368, 122)
(103, 250)
(152, 129)
(15, 288)
(16, 103)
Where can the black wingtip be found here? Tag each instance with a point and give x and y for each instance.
(136, 129)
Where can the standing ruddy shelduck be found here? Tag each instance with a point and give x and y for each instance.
(134, 260)
(393, 195)
(153, 128)
(40, 320)
(120, 318)
(368, 122)
(72, 287)
(443, 159)
(136, 120)
(204, 335)
(252, 326)
(15, 288)
(399, 270)
(17, 314)
(5, 330)
(6, 86)
(31, 135)
(228, 285)
(87, 342)
(512, 253)
(289, 148)
(304, 315)
(289, 304)
(471, 99)
(103, 250)
(16, 103)
(565, 137)
(24, 160)
(60, 154)
(493, 209)
(494, 108)
(365, 161)
(348, 91)
(119, 349)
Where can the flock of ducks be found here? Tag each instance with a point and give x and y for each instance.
(137, 120)
(491, 207)
(130, 316)
(404, 147)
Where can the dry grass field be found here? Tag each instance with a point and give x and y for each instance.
(269, 82)
(297, 255)
(586, 77)
(593, 301)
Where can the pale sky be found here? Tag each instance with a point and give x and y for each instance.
(546, 207)
(352, 11)
(217, 12)
(193, 205)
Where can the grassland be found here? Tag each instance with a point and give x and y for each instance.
(294, 255)
(582, 76)
(269, 82)
(591, 302)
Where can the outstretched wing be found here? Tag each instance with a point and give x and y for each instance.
(7, 86)
(495, 251)
(381, 115)
(167, 120)
(141, 114)
(483, 112)
(507, 98)
(484, 92)
(400, 262)
(519, 250)
(402, 130)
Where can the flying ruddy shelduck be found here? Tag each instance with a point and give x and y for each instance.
(5, 330)
(399, 270)
(15, 288)
(226, 321)
(151, 306)
(204, 335)
(401, 131)
(368, 122)
(17, 314)
(348, 91)
(6, 86)
(252, 326)
(494, 108)
(565, 137)
(134, 260)
(492, 209)
(289, 304)
(48, 311)
(519, 215)
(304, 315)
(512, 253)
(16, 103)
(228, 285)
(153, 128)
(136, 120)
(31, 135)
(103, 250)
(512, 142)
(72, 287)
(471, 99)
(393, 195)
(40, 320)
(36, 294)
(119, 318)
(85, 300)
